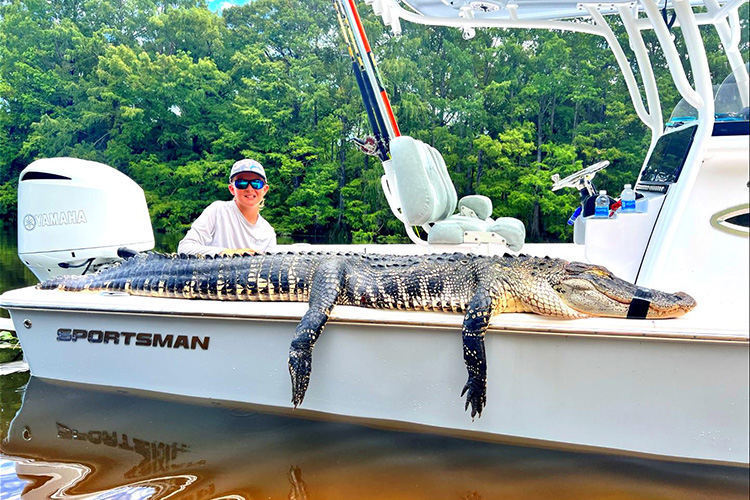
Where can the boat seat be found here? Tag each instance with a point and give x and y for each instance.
(421, 193)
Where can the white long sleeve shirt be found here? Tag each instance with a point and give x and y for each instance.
(222, 226)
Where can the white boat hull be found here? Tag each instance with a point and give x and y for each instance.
(660, 389)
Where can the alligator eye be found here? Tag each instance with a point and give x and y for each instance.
(599, 272)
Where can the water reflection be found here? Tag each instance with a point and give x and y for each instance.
(13, 274)
(70, 441)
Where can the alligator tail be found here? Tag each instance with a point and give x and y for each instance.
(99, 280)
(70, 283)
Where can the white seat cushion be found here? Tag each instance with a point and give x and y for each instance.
(426, 195)
(475, 205)
(421, 186)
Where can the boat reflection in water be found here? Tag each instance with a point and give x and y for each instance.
(72, 441)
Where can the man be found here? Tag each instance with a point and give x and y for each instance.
(236, 226)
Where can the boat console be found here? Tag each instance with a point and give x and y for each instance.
(621, 241)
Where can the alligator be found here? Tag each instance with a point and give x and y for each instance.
(477, 286)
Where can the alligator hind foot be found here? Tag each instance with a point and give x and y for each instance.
(476, 320)
(476, 396)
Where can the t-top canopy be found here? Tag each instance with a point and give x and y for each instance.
(515, 9)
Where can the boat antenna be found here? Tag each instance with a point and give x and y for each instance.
(377, 123)
(669, 22)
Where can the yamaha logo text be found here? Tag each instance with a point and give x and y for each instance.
(54, 219)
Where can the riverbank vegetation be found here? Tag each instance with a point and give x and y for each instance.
(171, 93)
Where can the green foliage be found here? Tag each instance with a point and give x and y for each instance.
(8, 201)
(8, 339)
(172, 93)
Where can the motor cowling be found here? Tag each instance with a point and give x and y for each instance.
(74, 215)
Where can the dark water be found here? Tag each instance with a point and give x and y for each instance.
(78, 441)
(70, 441)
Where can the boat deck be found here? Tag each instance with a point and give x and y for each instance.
(696, 325)
(703, 323)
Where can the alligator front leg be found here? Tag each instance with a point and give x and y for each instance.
(326, 286)
(300, 352)
(476, 320)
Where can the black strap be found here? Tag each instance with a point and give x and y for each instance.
(639, 305)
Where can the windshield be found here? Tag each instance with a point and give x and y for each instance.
(729, 105)
(727, 101)
(681, 114)
(668, 157)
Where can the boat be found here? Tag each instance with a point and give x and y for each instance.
(667, 389)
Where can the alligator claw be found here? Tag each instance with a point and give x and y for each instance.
(476, 396)
(300, 365)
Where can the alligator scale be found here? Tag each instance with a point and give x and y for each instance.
(477, 286)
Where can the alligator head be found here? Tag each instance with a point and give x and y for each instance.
(594, 291)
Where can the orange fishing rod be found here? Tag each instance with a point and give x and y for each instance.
(374, 116)
(395, 132)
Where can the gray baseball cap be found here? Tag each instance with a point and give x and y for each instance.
(247, 165)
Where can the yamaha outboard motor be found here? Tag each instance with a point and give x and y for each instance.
(74, 215)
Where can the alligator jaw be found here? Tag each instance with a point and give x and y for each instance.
(594, 291)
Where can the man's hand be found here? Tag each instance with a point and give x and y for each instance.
(237, 251)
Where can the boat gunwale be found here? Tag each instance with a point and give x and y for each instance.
(520, 324)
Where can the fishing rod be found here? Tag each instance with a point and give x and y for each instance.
(377, 123)
(374, 74)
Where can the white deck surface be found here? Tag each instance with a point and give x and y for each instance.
(705, 322)
(697, 324)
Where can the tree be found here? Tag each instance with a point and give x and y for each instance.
(172, 94)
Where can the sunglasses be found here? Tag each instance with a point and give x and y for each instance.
(254, 183)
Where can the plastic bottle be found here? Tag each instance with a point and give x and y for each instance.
(628, 200)
(601, 210)
(574, 216)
